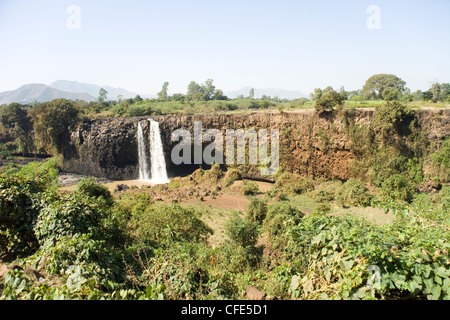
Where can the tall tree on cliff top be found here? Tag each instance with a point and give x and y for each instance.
(162, 95)
(383, 87)
(102, 95)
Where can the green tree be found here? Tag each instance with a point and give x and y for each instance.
(343, 92)
(52, 123)
(218, 95)
(445, 92)
(137, 99)
(162, 95)
(14, 118)
(375, 86)
(329, 101)
(427, 96)
(391, 94)
(208, 89)
(317, 94)
(251, 93)
(241, 231)
(102, 95)
(194, 91)
(436, 91)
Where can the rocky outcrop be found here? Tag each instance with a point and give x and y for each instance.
(310, 144)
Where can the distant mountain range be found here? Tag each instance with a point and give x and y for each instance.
(41, 93)
(93, 89)
(74, 90)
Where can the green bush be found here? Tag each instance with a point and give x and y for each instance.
(329, 101)
(257, 210)
(340, 252)
(353, 193)
(250, 188)
(241, 259)
(292, 184)
(323, 196)
(280, 217)
(441, 160)
(392, 117)
(231, 176)
(52, 122)
(65, 217)
(398, 187)
(4, 152)
(89, 187)
(162, 222)
(322, 209)
(242, 232)
(20, 204)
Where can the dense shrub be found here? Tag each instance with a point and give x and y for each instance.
(292, 184)
(250, 188)
(89, 187)
(392, 117)
(52, 122)
(65, 217)
(398, 187)
(19, 206)
(353, 193)
(242, 232)
(342, 253)
(162, 222)
(256, 210)
(322, 209)
(329, 101)
(280, 217)
(441, 161)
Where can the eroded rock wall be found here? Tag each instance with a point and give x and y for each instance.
(317, 146)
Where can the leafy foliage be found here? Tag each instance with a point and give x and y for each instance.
(343, 249)
(257, 210)
(52, 122)
(161, 222)
(241, 231)
(383, 86)
(329, 101)
(353, 193)
(250, 188)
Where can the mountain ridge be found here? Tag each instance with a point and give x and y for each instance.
(39, 92)
(92, 89)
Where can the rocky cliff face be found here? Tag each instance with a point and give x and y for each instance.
(309, 144)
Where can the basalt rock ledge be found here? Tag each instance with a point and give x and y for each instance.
(310, 144)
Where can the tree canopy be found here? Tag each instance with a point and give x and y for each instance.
(52, 123)
(383, 87)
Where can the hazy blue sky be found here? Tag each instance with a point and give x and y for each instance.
(296, 45)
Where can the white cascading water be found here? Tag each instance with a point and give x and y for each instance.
(142, 155)
(157, 160)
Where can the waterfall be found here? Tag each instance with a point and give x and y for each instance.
(157, 160)
(157, 170)
(142, 154)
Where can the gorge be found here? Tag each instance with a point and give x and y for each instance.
(310, 143)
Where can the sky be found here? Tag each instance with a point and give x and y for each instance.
(290, 44)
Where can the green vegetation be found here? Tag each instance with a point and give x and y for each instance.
(89, 244)
(300, 239)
